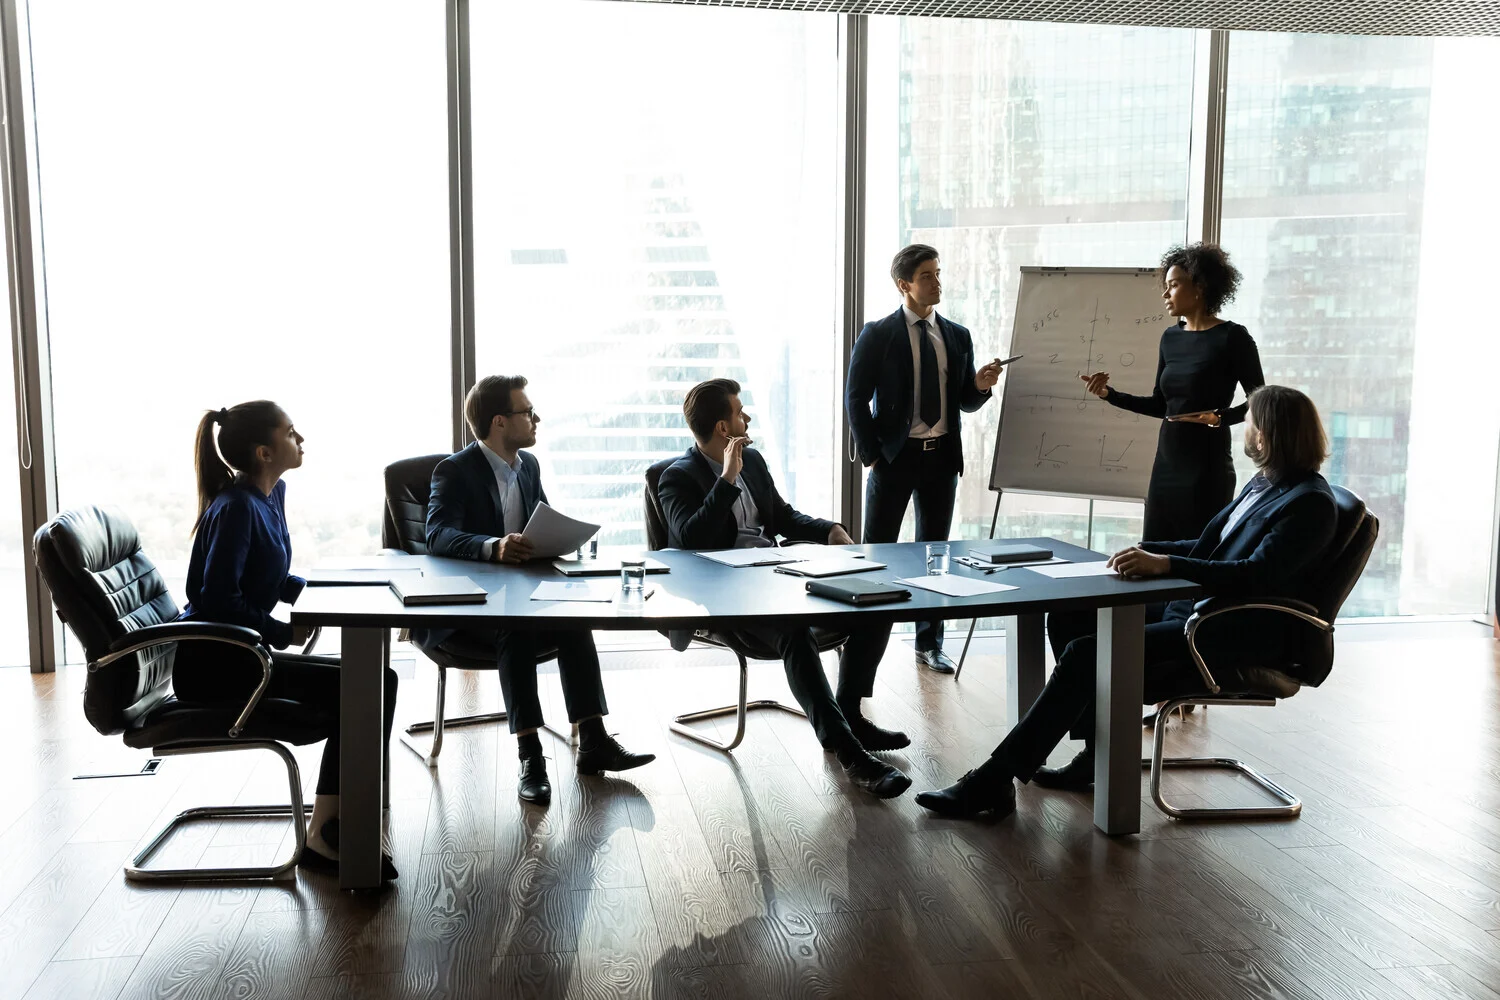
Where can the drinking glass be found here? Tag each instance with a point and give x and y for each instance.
(937, 558)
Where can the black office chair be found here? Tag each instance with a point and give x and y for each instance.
(827, 640)
(1354, 540)
(112, 597)
(408, 483)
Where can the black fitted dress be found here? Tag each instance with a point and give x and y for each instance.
(1193, 478)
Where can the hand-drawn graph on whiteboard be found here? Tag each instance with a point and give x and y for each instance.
(1054, 436)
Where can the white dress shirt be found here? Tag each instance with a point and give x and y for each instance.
(1257, 489)
(918, 428)
(512, 507)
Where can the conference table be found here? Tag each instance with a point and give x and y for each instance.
(697, 592)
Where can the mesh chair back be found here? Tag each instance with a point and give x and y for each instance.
(105, 587)
(407, 486)
(656, 520)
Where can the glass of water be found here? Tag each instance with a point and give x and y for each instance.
(589, 550)
(937, 558)
(632, 582)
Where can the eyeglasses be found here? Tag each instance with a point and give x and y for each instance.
(529, 412)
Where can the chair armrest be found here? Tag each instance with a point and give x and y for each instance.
(1213, 607)
(233, 635)
(312, 640)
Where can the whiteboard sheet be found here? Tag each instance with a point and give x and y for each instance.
(1055, 437)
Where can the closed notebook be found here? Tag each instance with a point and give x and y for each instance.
(858, 591)
(837, 566)
(1005, 552)
(602, 567)
(439, 590)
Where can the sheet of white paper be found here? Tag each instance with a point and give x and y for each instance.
(955, 586)
(600, 591)
(552, 534)
(1069, 570)
(753, 557)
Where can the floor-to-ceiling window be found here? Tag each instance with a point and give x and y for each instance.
(655, 198)
(243, 201)
(1359, 201)
(15, 549)
(1006, 144)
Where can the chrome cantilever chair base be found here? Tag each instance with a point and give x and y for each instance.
(135, 871)
(439, 724)
(740, 711)
(1290, 804)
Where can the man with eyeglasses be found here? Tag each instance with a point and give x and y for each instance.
(481, 500)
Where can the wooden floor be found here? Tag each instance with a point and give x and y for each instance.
(764, 876)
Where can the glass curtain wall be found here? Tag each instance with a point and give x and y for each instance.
(1006, 144)
(243, 201)
(655, 203)
(15, 547)
(1359, 202)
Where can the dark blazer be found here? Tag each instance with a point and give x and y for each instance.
(1270, 551)
(464, 512)
(463, 509)
(1274, 551)
(699, 506)
(880, 370)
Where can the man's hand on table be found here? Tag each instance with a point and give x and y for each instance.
(1135, 563)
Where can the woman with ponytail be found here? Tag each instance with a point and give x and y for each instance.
(239, 572)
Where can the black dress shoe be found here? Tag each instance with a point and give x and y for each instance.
(1077, 775)
(534, 786)
(875, 776)
(608, 755)
(937, 661)
(316, 861)
(968, 797)
(873, 738)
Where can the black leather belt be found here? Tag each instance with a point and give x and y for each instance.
(927, 444)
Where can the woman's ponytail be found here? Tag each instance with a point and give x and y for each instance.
(244, 428)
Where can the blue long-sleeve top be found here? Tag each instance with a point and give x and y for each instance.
(238, 570)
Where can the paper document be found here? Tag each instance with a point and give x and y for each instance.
(1069, 570)
(601, 591)
(752, 557)
(835, 565)
(552, 534)
(956, 586)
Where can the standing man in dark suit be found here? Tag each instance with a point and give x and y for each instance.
(1268, 543)
(481, 500)
(917, 369)
(720, 495)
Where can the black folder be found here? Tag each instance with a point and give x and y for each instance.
(855, 591)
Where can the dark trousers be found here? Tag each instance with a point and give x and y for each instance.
(932, 478)
(218, 674)
(1067, 702)
(577, 666)
(858, 659)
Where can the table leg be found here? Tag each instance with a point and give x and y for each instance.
(361, 756)
(1117, 726)
(1025, 661)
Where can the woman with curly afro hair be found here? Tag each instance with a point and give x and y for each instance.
(1201, 359)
